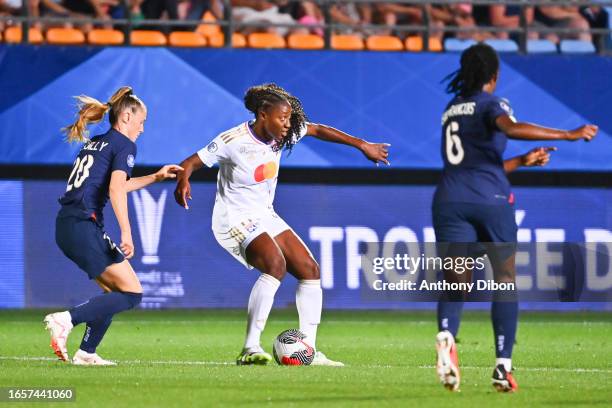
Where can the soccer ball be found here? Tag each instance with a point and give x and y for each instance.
(290, 348)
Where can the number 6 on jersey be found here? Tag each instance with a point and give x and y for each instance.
(454, 149)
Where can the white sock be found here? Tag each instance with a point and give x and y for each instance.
(260, 304)
(506, 362)
(309, 302)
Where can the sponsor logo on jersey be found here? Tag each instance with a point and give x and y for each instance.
(265, 171)
(150, 214)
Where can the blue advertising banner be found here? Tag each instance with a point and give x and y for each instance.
(193, 95)
(181, 265)
(11, 245)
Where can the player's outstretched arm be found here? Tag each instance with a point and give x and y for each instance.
(529, 131)
(375, 152)
(539, 156)
(183, 188)
(169, 171)
(117, 191)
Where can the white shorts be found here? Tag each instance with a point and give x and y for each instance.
(236, 238)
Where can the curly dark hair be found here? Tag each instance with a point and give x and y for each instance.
(263, 96)
(479, 64)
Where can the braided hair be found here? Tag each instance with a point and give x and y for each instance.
(261, 97)
(479, 64)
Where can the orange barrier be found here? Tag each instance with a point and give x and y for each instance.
(384, 43)
(148, 38)
(415, 43)
(13, 35)
(217, 41)
(266, 40)
(305, 42)
(187, 39)
(65, 36)
(105, 37)
(347, 42)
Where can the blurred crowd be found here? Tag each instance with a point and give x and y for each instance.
(354, 18)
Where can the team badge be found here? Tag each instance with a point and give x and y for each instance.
(504, 105)
(212, 147)
(130, 160)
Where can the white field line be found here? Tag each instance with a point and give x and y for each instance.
(339, 322)
(227, 363)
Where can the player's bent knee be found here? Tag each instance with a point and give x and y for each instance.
(312, 270)
(121, 278)
(134, 299)
(278, 268)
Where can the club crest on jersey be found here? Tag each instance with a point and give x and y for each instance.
(130, 160)
(504, 105)
(212, 147)
(250, 225)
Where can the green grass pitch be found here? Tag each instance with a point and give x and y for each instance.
(186, 358)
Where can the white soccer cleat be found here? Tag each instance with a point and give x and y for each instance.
(84, 358)
(321, 359)
(447, 365)
(59, 326)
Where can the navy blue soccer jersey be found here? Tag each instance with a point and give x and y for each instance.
(472, 150)
(87, 190)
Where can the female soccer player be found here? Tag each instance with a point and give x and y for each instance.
(101, 170)
(473, 201)
(244, 221)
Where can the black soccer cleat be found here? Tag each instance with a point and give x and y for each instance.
(502, 380)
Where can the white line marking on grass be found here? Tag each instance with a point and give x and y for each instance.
(544, 369)
(227, 363)
(163, 362)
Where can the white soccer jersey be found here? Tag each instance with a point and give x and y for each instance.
(248, 173)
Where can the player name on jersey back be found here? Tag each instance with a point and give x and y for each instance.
(466, 108)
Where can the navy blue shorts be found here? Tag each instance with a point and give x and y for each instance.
(85, 243)
(476, 223)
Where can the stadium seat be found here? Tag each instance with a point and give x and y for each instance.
(186, 39)
(384, 43)
(65, 36)
(503, 45)
(13, 35)
(209, 30)
(541, 46)
(347, 42)
(148, 38)
(305, 42)
(576, 47)
(105, 37)
(415, 43)
(455, 45)
(266, 40)
(217, 41)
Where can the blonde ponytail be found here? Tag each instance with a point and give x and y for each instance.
(92, 110)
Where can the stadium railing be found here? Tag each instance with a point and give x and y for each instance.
(224, 32)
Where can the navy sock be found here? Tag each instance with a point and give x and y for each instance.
(504, 315)
(94, 332)
(449, 315)
(104, 306)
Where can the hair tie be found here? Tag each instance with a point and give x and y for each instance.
(110, 105)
